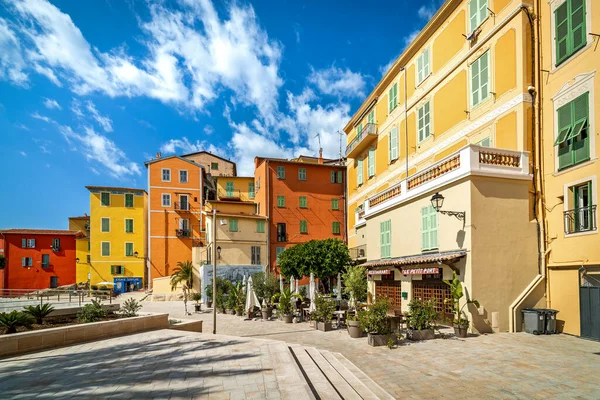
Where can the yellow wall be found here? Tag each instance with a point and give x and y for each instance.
(448, 43)
(240, 185)
(83, 267)
(564, 292)
(506, 129)
(506, 79)
(382, 155)
(454, 93)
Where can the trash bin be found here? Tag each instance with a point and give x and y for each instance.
(534, 320)
(550, 321)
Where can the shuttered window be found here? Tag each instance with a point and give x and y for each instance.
(303, 202)
(281, 172)
(301, 174)
(573, 132)
(105, 249)
(129, 225)
(255, 259)
(424, 122)
(393, 151)
(371, 162)
(128, 200)
(105, 199)
(26, 262)
(359, 172)
(45, 260)
(117, 270)
(260, 226)
(335, 205)
(332, 176)
(480, 76)
(371, 117)
(429, 228)
(229, 189)
(251, 192)
(335, 228)
(280, 201)
(31, 243)
(303, 227)
(570, 29)
(105, 224)
(385, 238)
(233, 225)
(478, 12)
(129, 249)
(423, 66)
(359, 129)
(393, 97)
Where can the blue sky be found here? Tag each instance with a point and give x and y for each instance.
(89, 90)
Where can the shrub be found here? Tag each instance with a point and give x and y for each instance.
(285, 301)
(303, 291)
(130, 308)
(94, 287)
(265, 286)
(374, 320)
(209, 292)
(91, 312)
(103, 287)
(14, 319)
(196, 297)
(422, 314)
(39, 312)
(355, 283)
(324, 309)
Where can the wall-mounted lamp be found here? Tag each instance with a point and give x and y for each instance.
(135, 254)
(219, 252)
(437, 201)
(77, 260)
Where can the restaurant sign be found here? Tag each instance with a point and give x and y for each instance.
(420, 271)
(378, 272)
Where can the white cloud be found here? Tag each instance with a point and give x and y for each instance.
(410, 37)
(12, 64)
(45, 150)
(146, 124)
(208, 130)
(23, 153)
(103, 121)
(184, 146)
(94, 170)
(52, 104)
(338, 82)
(22, 127)
(76, 108)
(36, 115)
(426, 11)
(383, 69)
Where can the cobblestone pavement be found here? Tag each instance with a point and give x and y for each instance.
(487, 366)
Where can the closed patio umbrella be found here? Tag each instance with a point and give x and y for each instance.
(244, 284)
(296, 290)
(280, 283)
(311, 293)
(339, 287)
(292, 284)
(251, 299)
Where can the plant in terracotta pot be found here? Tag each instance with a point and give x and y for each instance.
(285, 307)
(354, 328)
(376, 323)
(265, 287)
(209, 295)
(461, 325)
(323, 313)
(422, 319)
(196, 297)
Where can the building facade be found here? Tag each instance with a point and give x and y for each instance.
(302, 199)
(118, 246)
(82, 247)
(213, 164)
(453, 116)
(570, 105)
(38, 258)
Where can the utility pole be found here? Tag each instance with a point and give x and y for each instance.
(214, 257)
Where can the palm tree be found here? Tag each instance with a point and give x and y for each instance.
(184, 273)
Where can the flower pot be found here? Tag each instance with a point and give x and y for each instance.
(267, 313)
(251, 314)
(198, 307)
(380, 340)
(354, 329)
(208, 303)
(461, 331)
(324, 326)
(287, 318)
(232, 312)
(313, 324)
(238, 313)
(423, 334)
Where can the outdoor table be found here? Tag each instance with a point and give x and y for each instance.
(338, 315)
(306, 314)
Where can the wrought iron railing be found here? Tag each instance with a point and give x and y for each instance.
(182, 206)
(369, 129)
(183, 232)
(235, 194)
(580, 220)
(358, 252)
(16, 299)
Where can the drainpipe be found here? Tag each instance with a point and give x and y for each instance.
(405, 118)
(5, 261)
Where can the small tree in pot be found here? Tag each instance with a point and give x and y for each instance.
(422, 319)
(461, 325)
(265, 287)
(237, 299)
(196, 297)
(355, 284)
(209, 295)
(324, 309)
(376, 323)
(285, 307)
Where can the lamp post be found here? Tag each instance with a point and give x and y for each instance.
(219, 252)
(214, 282)
(77, 260)
(437, 201)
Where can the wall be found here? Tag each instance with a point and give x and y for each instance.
(240, 186)
(225, 168)
(236, 246)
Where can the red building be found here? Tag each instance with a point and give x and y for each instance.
(37, 258)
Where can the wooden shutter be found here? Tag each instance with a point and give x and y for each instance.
(426, 63)
(475, 83)
(420, 68)
(473, 15)
(251, 190)
(484, 76)
(112, 269)
(561, 19)
(580, 141)
(359, 172)
(394, 143)
(334, 204)
(332, 176)
(371, 163)
(433, 228)
(340, 177)
(424, 229)
(371, 117)
(23, 262)
(577, 21)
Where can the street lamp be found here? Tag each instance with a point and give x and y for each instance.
(135, 254)
(77, 260)
(219, 251)
(437, 201)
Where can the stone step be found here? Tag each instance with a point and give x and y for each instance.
(363, 391)
(368, 382)
(318, 382)
(346, 391)
(290, 381)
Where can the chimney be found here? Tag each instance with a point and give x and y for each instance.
(158, 155)
(320, 156)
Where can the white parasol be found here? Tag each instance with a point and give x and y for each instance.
(297, 290)
(339, 287)
(311, 293)
(251, 299)
(280, 283)
(292, 284)
(244, 284)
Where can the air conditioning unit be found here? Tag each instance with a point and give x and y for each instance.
(223, 222)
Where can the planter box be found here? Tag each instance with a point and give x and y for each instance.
(188, 326)
(461, 331)
(381, 340)
(424, 334)
(287, 318)
(24, 342)
(354, 329)
(267, 313)
(324, 326)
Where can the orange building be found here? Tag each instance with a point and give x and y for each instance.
(303, 198)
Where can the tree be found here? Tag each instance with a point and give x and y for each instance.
(355, 283)
(265, 286)
(184, 273)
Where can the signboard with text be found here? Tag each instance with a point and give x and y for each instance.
(420, 271)
(379, 272)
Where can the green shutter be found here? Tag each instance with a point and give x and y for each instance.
(280, 201)
(334, 204)
(335, 227)
(433, 228)
(260, 226)
(233, 225)
(561, 17)
(303, 203)
(105, 199)
(128, 200)
(577, 24)
(251, 190)
(420, 68)
(105, 249)
(371, 162)
(281, 172)
(473, 15)
(385, 238)
(564, 123)
(129, 249)
(332, 176)
(129, 225)
(424, 229)
(105, 225)
(340, 176)
(371, 117)
(359, 172)
(229, 189)
(112, 269)
(301, 174)
(303, 227)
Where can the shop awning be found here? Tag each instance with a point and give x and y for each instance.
(445, 257)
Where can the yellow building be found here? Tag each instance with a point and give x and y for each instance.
(569, 39)
(118, 242)
(453, 116)
(82, 247)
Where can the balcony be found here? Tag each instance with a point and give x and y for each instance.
(231, 195)
(580, 220)
(358, 252)
(360, 143)
(185, 207)
(183, 233)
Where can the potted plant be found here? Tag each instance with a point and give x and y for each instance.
(196, 297)
(355, 284)
(265, 287)
(285, 304)
(209, 295)
(354, 328)
(324, 309)
(376, 323)
(461, 325)
(422, 319)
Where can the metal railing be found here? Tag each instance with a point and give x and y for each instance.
(235, 194)
(369, 129)
(580, 220)
(16, 299)
(183, 232)
(358, 252)
(182, 206)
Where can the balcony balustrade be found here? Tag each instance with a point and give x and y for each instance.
(581, 219)
(182, 206)
(358, 252)
(183, 233)
(235, 194)
(362, 140)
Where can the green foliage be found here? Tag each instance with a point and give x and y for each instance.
(94, 287)
(91, 312)
(374, 320)
(324, 309)
(195, 296)
(103, 287)
(324, 258)
(422, 314)
(303, 291)
(10, 321)
(285, 301)
(457, 294)
(39, 312)
(184, 273)
(209, 292)
(390, 343)
(237, 297)
(265, 286)
(130, 308)
(355, 283)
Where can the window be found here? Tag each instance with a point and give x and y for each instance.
(105, 249)
(335, 204)
(88, 258)
(280, 201)
(183, 176)
(424, 122)
(281, 172)
(183, 202)
(336, 177)
(255, 258)
(105, 199)
(26, 262)
(128, 200)
(214, 166)
(301, 174)
(477, 13)
(56, 244)
(359, 172)
(303, 226)
(260, 226)
(359, 130)
(229, 188)
(573, 137)
(166, 175)
(258, 183)
(281, 232)
(251, 190)
(166, 200)
(423, 66)
(385, 238)
(24, 243)
(45, 260)
(303, 202)
(335, 227)
(117, 270)
(31, 243)
(278, 251)
(487, 142)
(233, 225)
(129, 249)
(570, 29)
(393, 151)
(371, 162)
(393, 97)
(582, 217)
(105, 225)
(184, 225)
(128, 225)
(371, 117)
(480, 76)
(429, 228)
(332, 176)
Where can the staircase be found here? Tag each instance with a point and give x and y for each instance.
(331, 376)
